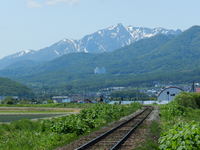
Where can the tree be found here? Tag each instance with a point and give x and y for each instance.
(9, 100)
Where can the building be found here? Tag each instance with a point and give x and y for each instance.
(195, 87)
(61, 99)
(99, 70)
(2, 98)
(197, 90)
(169, 93)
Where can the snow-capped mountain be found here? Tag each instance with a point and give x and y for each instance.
(139, 33)
(105, 40)
(17, 57)
(21, 53)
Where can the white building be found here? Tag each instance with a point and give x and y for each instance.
(99, 70)
(61, 99)
(169, 93)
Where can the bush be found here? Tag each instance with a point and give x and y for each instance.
(9, 100)
(172, 110)
(183, 136)
(197, 98)
(181, 105)
(179, 132)
(91, 118)
(188, 99)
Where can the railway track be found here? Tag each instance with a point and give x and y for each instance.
(115, 137)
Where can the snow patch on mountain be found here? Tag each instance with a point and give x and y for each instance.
(20, 54)
(139, 33)
(57, 53)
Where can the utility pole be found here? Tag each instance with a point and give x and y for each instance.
(168, 95)
(193, 87)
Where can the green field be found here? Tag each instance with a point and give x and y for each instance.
(9, 114)
(14, 117)
(58, 105)
(37, 110)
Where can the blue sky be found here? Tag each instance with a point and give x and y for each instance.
(34, 24)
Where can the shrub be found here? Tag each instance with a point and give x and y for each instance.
(91, 118)
(188, 99)
(197, 99)
(172, 110)
(183, 136)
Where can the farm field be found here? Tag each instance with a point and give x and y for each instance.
(8, 114)
(13, 117)
(58, 105)
(37, 110)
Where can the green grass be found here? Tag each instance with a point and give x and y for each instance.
(26, 135)
(151, 142)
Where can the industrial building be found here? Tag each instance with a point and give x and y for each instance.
(169, 93)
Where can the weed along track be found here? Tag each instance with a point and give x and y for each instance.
(115, 138)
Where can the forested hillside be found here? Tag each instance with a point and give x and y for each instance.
(12, 88)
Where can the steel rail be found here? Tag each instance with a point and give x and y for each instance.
(100, 137)
(119, 143)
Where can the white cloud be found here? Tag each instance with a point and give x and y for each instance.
(41, 3)
(54, 2)
(33, 4)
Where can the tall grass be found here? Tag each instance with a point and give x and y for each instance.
(180, 123)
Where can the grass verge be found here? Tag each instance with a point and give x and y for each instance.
(151, 141)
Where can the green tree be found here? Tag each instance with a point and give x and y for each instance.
(9, 100)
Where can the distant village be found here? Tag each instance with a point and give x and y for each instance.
(163, 93)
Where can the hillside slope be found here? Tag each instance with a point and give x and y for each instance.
(12, 88)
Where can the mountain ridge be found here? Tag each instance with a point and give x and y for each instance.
(104, 40)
